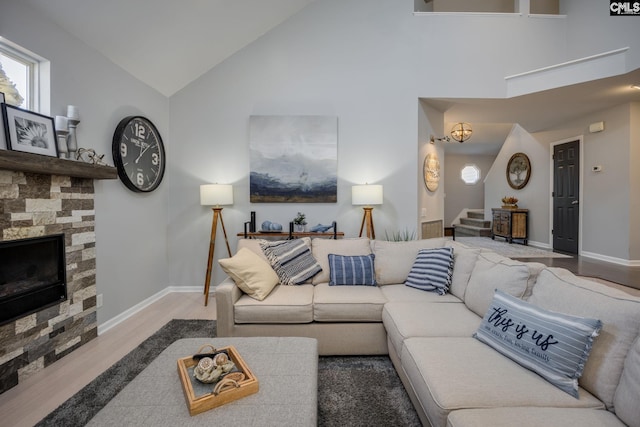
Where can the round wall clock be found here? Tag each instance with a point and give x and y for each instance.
(138, 153)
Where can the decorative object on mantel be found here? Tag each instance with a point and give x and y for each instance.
(367, 195)
(73, 118)
(268, 226)
(29, 132)
(89, 155)
(518, 171)
(299, 222)
(138, 153)
(215, 195)
(431, 171)
(62, 131)
(509, 202)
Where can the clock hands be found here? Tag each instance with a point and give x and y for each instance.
(142, 150)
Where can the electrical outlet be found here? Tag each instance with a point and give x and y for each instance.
(99, 300)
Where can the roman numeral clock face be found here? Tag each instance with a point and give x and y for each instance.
(138, 153)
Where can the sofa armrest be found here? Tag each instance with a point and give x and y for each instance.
(227, 293)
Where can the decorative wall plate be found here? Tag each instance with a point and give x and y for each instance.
(518, 171)
(431, 171)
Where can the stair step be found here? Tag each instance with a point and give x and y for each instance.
(476, 222)
(475, 214)
(469, 230)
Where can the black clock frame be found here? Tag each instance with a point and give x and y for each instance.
(117, 158)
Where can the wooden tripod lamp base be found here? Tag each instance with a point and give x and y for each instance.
(215, 195)
(367, 195)
(367, 218)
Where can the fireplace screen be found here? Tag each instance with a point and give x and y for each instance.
(32, 275)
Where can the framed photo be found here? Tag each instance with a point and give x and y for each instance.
(3, 141)
(518, 171)
(29, 132)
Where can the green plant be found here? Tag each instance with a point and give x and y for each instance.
(400, 236)
(300, 219)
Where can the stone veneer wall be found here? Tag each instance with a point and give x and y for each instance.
(33, 205)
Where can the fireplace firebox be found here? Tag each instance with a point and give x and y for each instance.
(32, 275)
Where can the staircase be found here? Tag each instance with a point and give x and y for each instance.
(473, 225)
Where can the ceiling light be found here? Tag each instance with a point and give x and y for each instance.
(461, 132)
(637, 87)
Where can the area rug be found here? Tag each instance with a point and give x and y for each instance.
(353, 391)
(511, 250)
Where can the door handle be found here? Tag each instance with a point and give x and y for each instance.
(575, 202)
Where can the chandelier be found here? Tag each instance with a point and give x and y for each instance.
(461, 132)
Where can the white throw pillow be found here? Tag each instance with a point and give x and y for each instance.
(252, 274)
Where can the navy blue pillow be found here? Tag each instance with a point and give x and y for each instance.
(432, 270)
(351, 270)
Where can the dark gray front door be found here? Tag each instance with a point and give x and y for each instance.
(566, 189)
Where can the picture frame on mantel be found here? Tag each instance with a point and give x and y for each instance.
(29, 132)
(3, 141)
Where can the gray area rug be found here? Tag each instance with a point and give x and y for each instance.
(511, 250)
(352, 391)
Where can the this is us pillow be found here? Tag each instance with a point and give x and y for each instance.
(553, 345)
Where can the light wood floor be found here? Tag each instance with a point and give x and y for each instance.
(37, 396)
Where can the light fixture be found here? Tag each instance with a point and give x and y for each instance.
(459, 132)
(637, 87)
(367, 195)
(215, 195)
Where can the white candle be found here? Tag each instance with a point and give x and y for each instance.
(72, 112)
(62, 123)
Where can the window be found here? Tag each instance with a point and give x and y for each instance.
(470, 174)
(20, 77)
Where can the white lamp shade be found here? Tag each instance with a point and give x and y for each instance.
(366, 194)
(216, 194)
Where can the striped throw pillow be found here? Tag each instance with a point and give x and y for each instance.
(553, 345)
(291, 259)
(351, 270)
(432, 270)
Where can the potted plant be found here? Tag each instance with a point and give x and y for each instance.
(299, 222)
(509, 202)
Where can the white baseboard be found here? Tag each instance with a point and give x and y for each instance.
(606, 258)
(114, 321)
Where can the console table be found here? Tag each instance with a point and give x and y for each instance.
(510, 223)
(291, 234)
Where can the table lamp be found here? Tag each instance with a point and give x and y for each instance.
(367, 195)
(215, 195)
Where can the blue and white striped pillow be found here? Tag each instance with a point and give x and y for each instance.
(553, 345)
(432, 270)
(291, 259)
(351, 270)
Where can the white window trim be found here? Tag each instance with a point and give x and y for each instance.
(474, 166)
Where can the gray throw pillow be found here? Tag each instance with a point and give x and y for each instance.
(553, 345)
(291, 259)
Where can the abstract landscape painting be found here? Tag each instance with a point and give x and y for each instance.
(294, 159)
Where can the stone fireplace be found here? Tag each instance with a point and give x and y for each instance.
(48, 204)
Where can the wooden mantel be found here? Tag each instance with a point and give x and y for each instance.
(36, 163)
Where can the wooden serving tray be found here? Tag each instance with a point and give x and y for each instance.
(200, 397)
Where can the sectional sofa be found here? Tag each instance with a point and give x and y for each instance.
(469, 356)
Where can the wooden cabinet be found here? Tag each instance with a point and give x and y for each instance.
(510, 224)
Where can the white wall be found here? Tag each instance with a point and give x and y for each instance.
(130, 228)
(535, 195)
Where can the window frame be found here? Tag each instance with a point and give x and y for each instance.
(474, 166)
(37, 98)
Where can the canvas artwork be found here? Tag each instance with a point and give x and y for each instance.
(294, 159)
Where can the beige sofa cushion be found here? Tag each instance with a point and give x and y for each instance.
(628, 391)
(321, 248)
(251, 273)
(491, 272)
(254, 246)
(404, 320)
(533, 417)
(462, 373)
(285, 304)
(464, 259)
(559, 290)
(347, 303)
(395, 259)
(400, 293)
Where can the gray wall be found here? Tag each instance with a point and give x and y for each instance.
(458, 194)
(130, 228)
